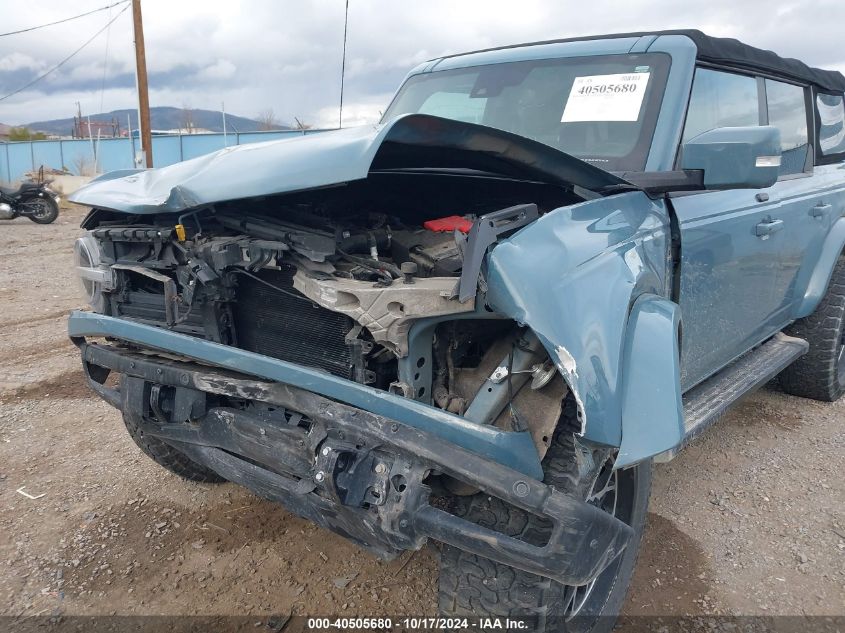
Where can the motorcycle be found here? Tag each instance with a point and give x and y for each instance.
(34, 200)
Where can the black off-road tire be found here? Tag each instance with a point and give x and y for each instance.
(173, 460)
(471, 584)
(820, 373)
(51, 212)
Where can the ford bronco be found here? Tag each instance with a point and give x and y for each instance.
(481, 321)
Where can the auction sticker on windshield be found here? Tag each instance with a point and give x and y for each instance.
(606, 98)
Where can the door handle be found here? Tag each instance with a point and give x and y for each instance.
(767, 227)
(820, 210)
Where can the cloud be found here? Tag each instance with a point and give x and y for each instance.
(20, 61)
(221, 69)
(286, 54)
(355, 112)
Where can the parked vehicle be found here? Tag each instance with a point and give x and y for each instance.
(480, 321)
(32, 199)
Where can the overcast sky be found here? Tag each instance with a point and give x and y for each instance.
(255, 55)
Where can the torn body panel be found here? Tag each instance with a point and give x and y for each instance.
(572, 277)
(568, 368)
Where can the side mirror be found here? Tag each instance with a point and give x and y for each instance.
(735, 157)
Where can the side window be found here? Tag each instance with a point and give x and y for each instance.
(721, 99)
(831, 117)
(788, 112)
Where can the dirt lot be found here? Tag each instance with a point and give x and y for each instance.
(750, 520)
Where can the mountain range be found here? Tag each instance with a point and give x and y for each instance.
(161, 118)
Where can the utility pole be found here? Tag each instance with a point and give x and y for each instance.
(223, 111)
(143, 90)
(343, 66)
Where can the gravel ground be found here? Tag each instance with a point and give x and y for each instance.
(750, 520)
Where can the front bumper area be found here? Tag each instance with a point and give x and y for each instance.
(512, 449)
(349, 470)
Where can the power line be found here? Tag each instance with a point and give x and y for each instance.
(81, 15)
(105, 65)
(66, 59)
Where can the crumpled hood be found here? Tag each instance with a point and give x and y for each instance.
(414, 141)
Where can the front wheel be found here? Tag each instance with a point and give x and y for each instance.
(470, 584)
(41, 210)
(168, 457)
(820, 374)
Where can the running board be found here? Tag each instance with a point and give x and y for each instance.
(707, 402)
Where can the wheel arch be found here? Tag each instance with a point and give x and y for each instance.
(832, 249)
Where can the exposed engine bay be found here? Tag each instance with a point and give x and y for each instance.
(318, 282)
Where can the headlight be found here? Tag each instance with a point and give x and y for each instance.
(94, 275)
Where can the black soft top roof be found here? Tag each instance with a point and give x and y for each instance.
(730, 52)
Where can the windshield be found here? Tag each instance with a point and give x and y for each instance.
(601, 109)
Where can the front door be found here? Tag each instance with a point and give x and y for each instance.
(730, 267)
(741, 251)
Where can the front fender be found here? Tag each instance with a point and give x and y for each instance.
(572, 277)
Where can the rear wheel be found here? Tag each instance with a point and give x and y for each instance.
(820, 373)
(165, 455)
(41, 210)
(470, 584)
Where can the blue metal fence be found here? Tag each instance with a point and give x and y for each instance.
(77, 155)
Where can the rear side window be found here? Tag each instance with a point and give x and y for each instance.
(830, 110)
(787, 110)
(721, 99)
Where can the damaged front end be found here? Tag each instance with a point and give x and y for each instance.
(364, 476)
(331, 346)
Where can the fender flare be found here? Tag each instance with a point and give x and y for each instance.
(833, 247)
(652, 405)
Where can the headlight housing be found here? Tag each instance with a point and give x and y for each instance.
(95, 276)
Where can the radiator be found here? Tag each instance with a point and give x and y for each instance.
(288, 326)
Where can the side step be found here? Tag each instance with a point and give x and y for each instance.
(707, 402)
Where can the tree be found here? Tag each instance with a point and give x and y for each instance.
(267, 120)
(186, 119)
(25, 134)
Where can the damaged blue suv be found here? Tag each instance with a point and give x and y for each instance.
(481, 321)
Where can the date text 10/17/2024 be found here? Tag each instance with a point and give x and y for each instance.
(416, 624)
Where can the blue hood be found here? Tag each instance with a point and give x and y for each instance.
(414, 141)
